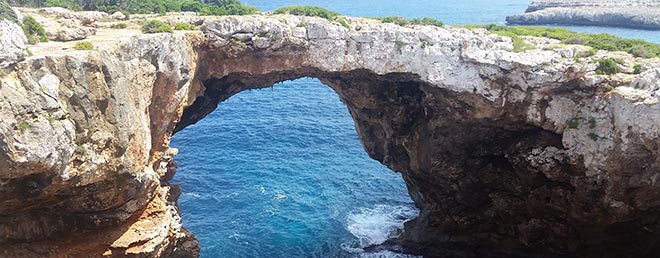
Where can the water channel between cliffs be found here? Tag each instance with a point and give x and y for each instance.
(280, 172)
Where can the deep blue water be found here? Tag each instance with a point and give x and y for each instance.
(280, 172)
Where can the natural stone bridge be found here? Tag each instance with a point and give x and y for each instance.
(526, 153)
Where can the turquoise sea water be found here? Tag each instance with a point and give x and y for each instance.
(280, 172)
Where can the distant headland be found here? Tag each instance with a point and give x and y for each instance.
(637, 14)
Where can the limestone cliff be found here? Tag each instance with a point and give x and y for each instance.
(638, 14)
(526, 153)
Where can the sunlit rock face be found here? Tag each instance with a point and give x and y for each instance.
(638, 14)
(515, 153)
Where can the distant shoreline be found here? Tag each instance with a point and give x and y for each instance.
(624, 14)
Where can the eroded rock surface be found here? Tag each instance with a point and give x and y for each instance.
(12, 43)
(639, 14)
(526, 153)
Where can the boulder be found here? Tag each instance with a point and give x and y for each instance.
(13, 43)
(69, 34)
(119, 16)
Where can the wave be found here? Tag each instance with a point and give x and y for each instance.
(386, 254)
(374, 226)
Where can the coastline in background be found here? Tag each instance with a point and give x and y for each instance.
(448, 11)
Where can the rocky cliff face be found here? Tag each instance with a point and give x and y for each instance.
(639, 14)
(12, 43)
(526, 153)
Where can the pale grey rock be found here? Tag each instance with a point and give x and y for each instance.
(243, 36)
(86, 18)
(648, 81)
(70, 34)
(628, 14)
(118, 16)
(89, 17)
(19, 14)
(13, 43)
(58, 12)
(545, 4)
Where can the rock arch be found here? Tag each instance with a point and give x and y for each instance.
(525, 152)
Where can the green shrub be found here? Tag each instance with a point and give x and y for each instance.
(80, 150)
(29, 52)
(231, 9)
(183, 26)
(592, 123)
(301, 24)
(601, 41)
(84, 45)
(156, 26)
(587, 53)
(637, 69)
(68, 4)
(399, 45)
(51, 120)
(33, 30)
(641, 51)
(239, 43)
(313, 11)
(426, 21)
(398, 20)
(607, 66)
(119, 26)
(520, 45)
(6, 12)
(205, 7)
(401, 21)
(573, 123)
(23, 126)
(343, 23)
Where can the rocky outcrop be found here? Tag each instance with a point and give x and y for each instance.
(70, 34)
(626, 14)
(87, 17)
(12, 43)
(524, 153)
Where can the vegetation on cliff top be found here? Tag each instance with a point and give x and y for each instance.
(203, 7)
(603, 41)
(33, 30)
(156, 26)
(401, 21)
(183, 26)
(6, 12)
(84, 45)
(607, 66)
(313, 11)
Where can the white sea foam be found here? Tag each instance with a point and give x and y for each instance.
(373, 226)
(280, 196)
(192, 195)
(261, 188)
(386, 254)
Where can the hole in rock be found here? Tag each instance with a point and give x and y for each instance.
(281, 172)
